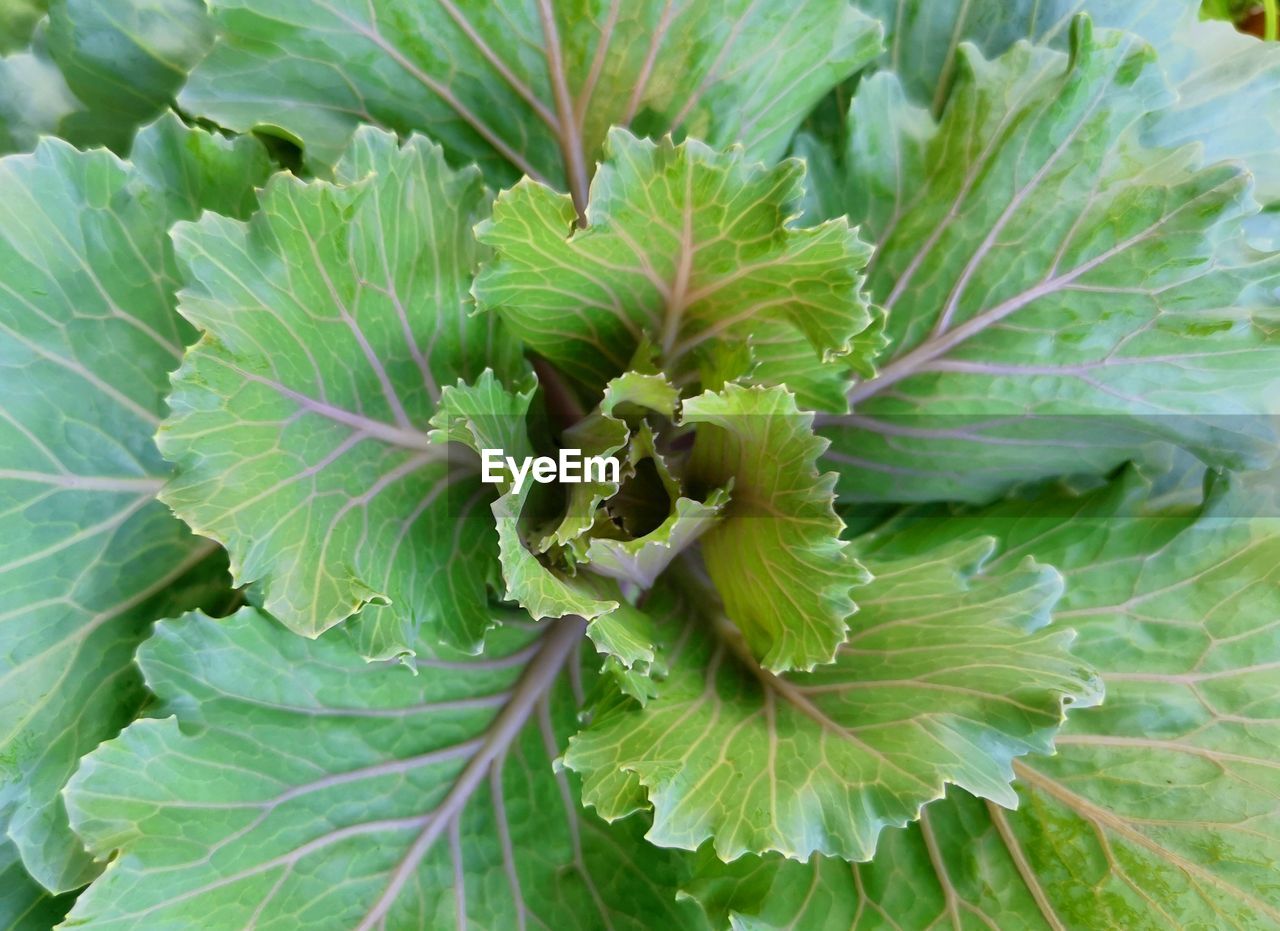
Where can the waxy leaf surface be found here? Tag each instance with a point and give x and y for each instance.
(361, 796)
(488, 416)
(823, 761)
(18, 19)
(25, 905)
(923, 39)
(1060, 296)
(88, 558)
(1226, 82)
(1161, 807)
(526, 87)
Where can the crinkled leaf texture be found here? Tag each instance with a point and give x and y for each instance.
(685, 246)
(488, 416)
(607, 431)
(776, 558)
(300, 786)
(527, 87)
(1161, 808)
(332, 320)
(88, 558)
(949, 672)
(640, 561)
(1060, 296)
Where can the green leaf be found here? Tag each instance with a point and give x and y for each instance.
(485, 415)
(25, 905)
(1160, 807)
(776, 556)
(647, 494)
(627, 635)
(361, 796)
(948, 674)
(645, 390)
(949, 870)
(300, 420)
(1232, 11)
(1226, 81)
(34, 98)
(1227, 85)
(88, 558)
(527, 88)
(884, 160)
(537, 588)
(95, 71)
(685, 246)
(1059, 296)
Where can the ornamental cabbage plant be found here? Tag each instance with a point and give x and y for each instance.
(933, 349)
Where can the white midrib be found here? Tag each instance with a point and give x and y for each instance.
(678, 299)
(533, 685)
(940, 343)
(1021, 864)
(408, 438)
(912, 362)
(569, 132)
(76, 482)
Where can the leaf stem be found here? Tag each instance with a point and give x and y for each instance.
(569, 132)
(1271, 31)
(534, 683)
